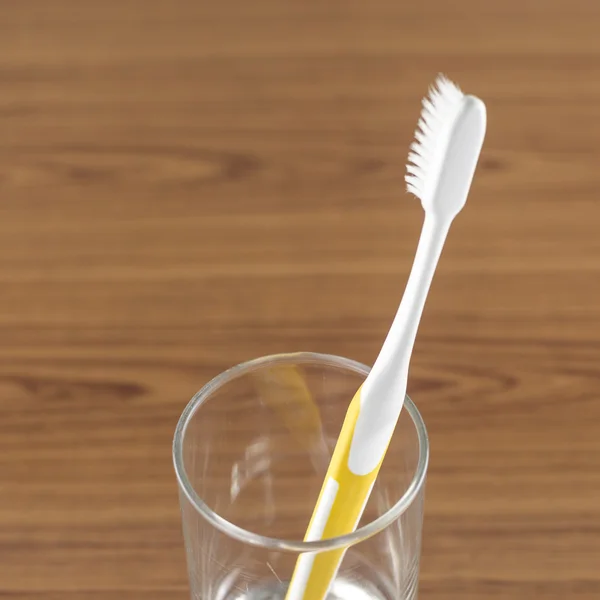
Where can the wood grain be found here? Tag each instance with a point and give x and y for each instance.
(186, 185)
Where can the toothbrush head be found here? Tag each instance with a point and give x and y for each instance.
(448, 140)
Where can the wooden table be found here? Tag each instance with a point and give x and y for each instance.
(186, 185)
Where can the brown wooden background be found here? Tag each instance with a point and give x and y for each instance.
(185, 185)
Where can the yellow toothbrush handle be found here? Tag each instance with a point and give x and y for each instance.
(340, 505)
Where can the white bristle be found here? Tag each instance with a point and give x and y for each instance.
(439, 110)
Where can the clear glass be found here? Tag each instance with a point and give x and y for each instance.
(251, 451)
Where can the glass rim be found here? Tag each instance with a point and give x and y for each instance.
(271, 543)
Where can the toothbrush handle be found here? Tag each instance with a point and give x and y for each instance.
(397, 347)
(346, 491)
(341, 503)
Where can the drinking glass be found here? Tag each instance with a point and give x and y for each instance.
(251, 451)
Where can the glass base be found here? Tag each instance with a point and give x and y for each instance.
(342, 589)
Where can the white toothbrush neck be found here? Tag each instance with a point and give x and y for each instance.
(384, 389)
(397, 349)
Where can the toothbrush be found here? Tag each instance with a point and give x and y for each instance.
(440, 169)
